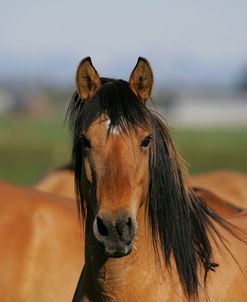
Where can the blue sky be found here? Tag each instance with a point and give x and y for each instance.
(184, 40)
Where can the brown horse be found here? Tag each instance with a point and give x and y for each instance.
(148, 236)
(59, 182)
(228, 185)
(41, 248)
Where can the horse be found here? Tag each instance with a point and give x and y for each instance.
(148, 236)
(41, 246)
(59, 181)
(228, 185)
(221, 206)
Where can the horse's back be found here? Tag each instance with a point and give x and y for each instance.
(60, 182)
(41, 250)
(228, 185)
(219, 205)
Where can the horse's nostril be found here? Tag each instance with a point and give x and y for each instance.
(102, 229)
(125, 228)
(129, 222)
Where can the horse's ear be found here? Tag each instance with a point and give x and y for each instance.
(141, 80)
(87, 79)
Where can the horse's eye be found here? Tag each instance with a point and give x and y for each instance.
(85, 143)
(145, 143)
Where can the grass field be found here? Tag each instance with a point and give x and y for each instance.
(30, 147)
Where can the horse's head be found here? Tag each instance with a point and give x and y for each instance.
(111, 148)
(124, 158)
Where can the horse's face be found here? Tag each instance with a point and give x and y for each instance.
(120, 163)
(116, 167)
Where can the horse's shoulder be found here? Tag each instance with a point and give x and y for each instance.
(30, 209)
(41, 243)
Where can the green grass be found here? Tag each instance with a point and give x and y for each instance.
(31, 146)
(213, 149)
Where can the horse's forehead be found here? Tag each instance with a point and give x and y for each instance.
(115, 130)
(102, 129)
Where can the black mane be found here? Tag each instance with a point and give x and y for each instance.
(181, 223)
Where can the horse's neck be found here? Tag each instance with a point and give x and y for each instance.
(109, 279)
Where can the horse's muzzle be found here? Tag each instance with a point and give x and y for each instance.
(114, 233)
